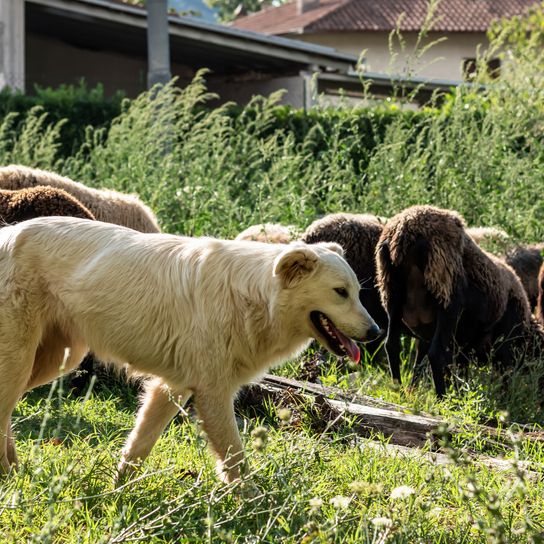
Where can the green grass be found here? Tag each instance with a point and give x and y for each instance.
(311, 487)
(206, 172)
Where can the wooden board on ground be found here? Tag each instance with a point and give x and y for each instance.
(332, 408)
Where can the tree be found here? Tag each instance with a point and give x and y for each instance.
(228, 10)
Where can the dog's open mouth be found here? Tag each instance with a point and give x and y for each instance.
(336, 340)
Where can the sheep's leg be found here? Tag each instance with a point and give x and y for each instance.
(514, 343)
(396, 297)
(159, 405)
(392, 346)
(422, 349)
(440, 351)
(396, 294)
(216, 410)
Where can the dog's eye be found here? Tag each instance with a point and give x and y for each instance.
(341, 291)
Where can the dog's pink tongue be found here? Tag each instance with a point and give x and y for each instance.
(349, 345)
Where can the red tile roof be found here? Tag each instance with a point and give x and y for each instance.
(382, 15)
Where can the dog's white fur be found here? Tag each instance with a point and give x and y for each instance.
(201, 316)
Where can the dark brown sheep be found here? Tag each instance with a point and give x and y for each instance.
(434, 279)
(358, 235)
(17, 206)
(540, 302)
(526, 262)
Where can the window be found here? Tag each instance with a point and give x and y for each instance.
(470, 68)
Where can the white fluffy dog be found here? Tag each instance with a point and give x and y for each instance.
(200, 316)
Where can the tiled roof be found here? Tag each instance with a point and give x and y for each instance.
(382, 15)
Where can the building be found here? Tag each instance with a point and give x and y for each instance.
(364, 26)
(51, 42)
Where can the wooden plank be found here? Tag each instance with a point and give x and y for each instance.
(331, 408)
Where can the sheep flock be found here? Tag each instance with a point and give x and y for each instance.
(423, 272)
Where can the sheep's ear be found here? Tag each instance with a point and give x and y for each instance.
(333, 246)
(294, 264)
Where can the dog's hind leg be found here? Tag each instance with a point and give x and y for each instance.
(16, 363)
(216, 410)
(159, 405)
(10, 450)
(50, 362)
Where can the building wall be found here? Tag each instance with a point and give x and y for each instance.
(229, 89)
(51, 62)
(442, 61)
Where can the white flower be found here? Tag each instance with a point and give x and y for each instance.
(316, 502)
(340, 501)
(402, 492)
(436, 512)
(382, 522)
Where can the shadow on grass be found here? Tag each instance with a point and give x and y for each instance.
(60, 416)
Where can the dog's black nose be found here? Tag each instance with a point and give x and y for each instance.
(374, 333)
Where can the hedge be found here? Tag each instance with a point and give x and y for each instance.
(80, 106)
(359, 129)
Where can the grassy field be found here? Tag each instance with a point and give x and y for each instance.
(204, 172)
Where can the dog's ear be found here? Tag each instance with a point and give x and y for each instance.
(333, 246)
(294, 264)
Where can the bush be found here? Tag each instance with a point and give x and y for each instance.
(77, 106)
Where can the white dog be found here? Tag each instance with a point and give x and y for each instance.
(201, 316)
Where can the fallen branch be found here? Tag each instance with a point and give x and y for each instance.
(331, 408)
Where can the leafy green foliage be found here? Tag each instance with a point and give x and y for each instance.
(228, 10)
(76, 106)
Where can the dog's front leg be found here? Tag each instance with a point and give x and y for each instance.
(159, 405)
(216, 410)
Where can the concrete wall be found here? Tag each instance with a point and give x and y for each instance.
(50, 62)
(242, 91)
(443, 60)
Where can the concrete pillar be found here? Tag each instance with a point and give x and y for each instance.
(158, 44)
(309, 82)
(12, 44)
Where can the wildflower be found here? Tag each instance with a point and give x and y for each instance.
(284, 414)
(316, 502)
(382, 522)
(340, 501)
(402, 492)
(259, 434)
(366, 488)
(436, 512)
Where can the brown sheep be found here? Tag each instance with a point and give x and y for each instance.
(358, 235)
(527, 261)
(483, 235)
(109, 206)
(434, 279)
(17, 206)
(272, 233)
(540, 302)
